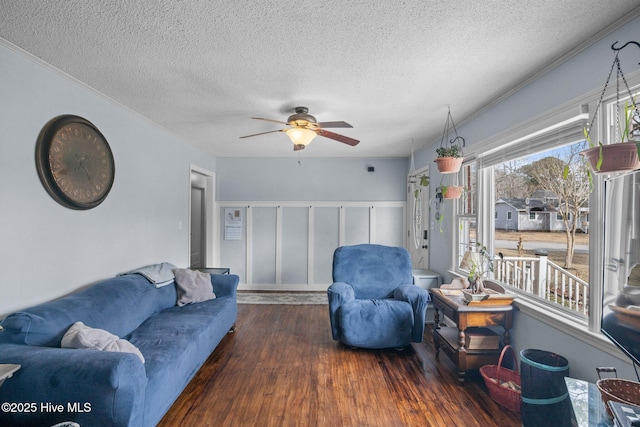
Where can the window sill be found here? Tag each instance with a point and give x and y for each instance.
(567, 324)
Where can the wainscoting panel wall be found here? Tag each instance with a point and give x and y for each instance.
(290, 245)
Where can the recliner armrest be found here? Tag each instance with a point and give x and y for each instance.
(338, 294)
(419, 299)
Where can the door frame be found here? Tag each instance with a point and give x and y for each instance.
(203, 178)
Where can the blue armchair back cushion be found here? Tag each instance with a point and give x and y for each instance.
(373, 271)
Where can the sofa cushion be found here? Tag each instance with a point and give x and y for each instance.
(175, 344)
(118, 305)
(192, 286)
(81, 336)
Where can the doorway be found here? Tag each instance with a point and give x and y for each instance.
(418, 221)
(198, 228)
(201, 218)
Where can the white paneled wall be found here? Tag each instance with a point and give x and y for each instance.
(289, 245)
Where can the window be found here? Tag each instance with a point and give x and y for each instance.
(505, 182)
(527, 180)
(560, 276)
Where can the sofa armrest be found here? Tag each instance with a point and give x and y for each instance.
(338, 294)
(225, 285)
(93, 387)
(419, 299)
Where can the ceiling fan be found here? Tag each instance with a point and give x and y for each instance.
(303, 128)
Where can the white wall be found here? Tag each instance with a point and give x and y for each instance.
(47, 250)
(581, 74)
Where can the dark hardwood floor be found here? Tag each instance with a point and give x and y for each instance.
(282, 368)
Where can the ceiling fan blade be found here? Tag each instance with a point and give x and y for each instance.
(334, 125)
(262, 133)
(269, 120)
(337, 137)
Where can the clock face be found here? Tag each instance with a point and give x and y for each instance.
(74, 162)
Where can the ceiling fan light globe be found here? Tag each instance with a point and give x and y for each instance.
(300, 136)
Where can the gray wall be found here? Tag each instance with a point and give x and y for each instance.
(313, 179)
(583, 73)
(47, 250)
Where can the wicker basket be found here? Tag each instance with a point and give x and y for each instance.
(617, 390)
(503, 384)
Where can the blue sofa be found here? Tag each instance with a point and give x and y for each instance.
(106, 388)
(373, 302)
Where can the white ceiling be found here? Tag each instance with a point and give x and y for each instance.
(391, 68)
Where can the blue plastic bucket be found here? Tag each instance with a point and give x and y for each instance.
(545, 398)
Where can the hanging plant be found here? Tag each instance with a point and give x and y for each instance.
(450, 155)
(451, 191)
(424, 182)
(623, 154)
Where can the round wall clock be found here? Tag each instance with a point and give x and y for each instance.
(74, 162)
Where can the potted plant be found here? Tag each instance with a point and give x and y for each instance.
(620, 156)
(423, 182)
(450, 156)
(479, 262)
(451, 191)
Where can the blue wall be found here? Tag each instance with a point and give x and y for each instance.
(313, 179)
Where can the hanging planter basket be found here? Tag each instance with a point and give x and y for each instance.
(624, 154)
(452, 192)
(615, 157)
(450, 155)
(449, 164)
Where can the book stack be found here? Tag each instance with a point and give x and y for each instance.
(481, 339)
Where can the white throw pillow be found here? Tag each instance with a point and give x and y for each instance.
(192, 286)
(81, 336)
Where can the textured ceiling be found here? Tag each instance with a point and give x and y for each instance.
(202, 68)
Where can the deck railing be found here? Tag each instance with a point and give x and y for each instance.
(539, 276)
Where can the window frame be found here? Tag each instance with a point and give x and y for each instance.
(465, 216)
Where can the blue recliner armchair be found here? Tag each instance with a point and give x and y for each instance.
(372, 302)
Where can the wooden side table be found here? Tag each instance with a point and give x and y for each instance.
(452, 339)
